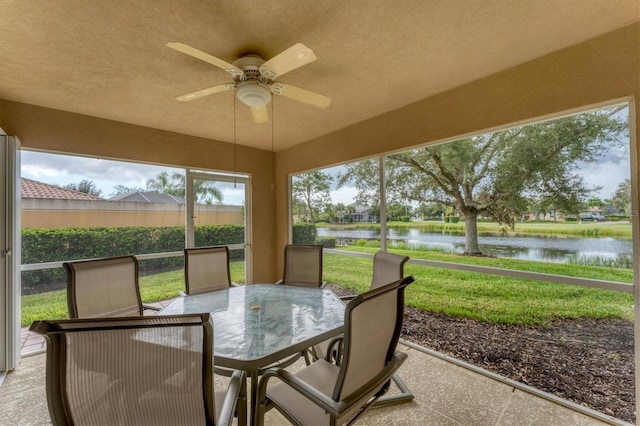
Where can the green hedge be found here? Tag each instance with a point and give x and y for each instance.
(327, 242)
(53, 245)
(614, 218)
(304, 233)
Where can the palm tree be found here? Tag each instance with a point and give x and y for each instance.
(163, 183)
(204, 191)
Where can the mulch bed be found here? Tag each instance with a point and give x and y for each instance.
(589, 362)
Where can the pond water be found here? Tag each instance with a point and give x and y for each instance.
(550, 248)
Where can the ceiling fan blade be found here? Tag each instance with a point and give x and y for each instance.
(288, 60)
(301, 95)
(206, 91)
(192, 51)
(260, 114)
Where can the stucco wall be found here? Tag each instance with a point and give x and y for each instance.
(46, 213)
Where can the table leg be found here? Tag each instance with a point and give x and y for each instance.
(254, 377)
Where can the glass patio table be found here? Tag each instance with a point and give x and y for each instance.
(260, 324)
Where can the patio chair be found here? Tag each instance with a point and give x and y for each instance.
(105, 287)
(302, 266)
(387, 267)
(137, 370)
(206, 269)
(325, 393)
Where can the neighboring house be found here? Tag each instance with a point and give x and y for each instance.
(50, 206)
(34, 189)
(361, 214)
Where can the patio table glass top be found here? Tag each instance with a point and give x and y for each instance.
(257, 324)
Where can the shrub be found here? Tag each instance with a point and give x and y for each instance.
(614, 218)
(304, 233)
(365, 243)
(327, 242)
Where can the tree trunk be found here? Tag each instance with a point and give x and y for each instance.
(471, 234)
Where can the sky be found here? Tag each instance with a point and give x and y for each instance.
(61, 170)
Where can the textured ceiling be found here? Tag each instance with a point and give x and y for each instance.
(108, 58)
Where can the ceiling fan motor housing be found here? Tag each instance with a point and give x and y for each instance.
(252, 91)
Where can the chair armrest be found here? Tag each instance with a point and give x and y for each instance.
(325, 402)
(236, 392)
(364, 393)
(334, 350)
(151, 307)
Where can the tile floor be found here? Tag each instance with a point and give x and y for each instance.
(446, 393)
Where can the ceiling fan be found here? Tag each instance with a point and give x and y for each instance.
(254, 78)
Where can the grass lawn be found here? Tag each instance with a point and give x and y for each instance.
(493, 298)
(53, 305)
(478, 296)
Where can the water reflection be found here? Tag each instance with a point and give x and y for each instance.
(550, 248)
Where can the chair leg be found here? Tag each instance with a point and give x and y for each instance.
(405, 394)
(307, 359)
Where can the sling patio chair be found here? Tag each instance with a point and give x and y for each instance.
(137, 370)
(326, 393)
(206, 269)
(387, 267)
(105, 287)
(302, 266)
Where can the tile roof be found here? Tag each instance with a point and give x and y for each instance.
(34, 189)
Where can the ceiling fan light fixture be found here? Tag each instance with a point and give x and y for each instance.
(253, 94)
(254, 78)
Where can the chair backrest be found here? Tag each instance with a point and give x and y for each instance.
(103, 287)
(134, 370)
(387, 267)
(372, 327)
(303, 265)
(206, 269)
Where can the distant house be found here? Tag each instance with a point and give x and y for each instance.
(361, 214)
(148, 197)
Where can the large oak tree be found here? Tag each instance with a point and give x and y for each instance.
(495, 175)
